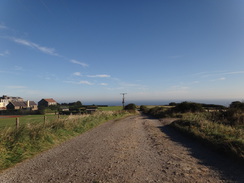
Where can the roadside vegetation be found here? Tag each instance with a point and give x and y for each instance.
(30, 138)
(110, 108)
(214, 125)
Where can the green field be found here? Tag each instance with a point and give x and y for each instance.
(9, 122)
(110, 108)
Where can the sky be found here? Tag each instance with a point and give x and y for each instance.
(156, 51)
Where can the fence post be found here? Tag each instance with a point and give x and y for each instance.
(17, 123)
(45, 119)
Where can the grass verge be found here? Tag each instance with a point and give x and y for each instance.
(225, 139)
(29, 139)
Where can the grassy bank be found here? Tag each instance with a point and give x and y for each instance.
(32, 138)
(224, 138)
(221, 130)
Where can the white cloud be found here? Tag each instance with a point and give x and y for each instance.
(223, 78)
(79, 82)
(46, 50)
(79, 63)
(5, 53)
(218, 73)
(104, 84)
(85, 82)
(99, 76)
(77, 74)
(220, 79)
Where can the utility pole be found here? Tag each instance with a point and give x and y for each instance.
(123, 99)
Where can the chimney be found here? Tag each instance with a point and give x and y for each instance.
(28, 103)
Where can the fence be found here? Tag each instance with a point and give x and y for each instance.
(16, 121)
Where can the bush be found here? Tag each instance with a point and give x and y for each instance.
(235, 113)
(144, 109)
(130, 107)
(185, 107)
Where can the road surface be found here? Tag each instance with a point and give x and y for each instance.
(136, 149)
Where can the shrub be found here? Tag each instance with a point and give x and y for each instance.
(185, 107)
(130, 107)
(144, 109)
(235, 113)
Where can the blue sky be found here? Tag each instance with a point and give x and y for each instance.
(155, 51)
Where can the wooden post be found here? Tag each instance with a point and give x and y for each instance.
(45, 119)
(17, 123)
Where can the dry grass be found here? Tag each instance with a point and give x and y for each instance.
(227, 139)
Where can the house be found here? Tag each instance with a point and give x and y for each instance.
(4, 101)
(26, 105)
(46, 102)
(91, 109)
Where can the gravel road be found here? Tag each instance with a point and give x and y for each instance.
(136, 149)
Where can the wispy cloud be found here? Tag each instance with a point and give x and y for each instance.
(235, 72)
(220, 79)
(218, 73)
(46, 50)
(85, 82)
(104, 84)
(77, 74)
(5, 53)
(48, 76)
(79, 82)
(79, 63)
(3, 26)
(99, 76)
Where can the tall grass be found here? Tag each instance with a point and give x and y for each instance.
(32, 138)
(224, 138)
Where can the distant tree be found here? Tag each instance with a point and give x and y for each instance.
(78, 104)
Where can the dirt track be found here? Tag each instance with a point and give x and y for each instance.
(136, 149)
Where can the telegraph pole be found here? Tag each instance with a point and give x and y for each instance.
(123, 99)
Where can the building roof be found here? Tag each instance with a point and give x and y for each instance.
(23, 104)
(49, 100)
(17, 103)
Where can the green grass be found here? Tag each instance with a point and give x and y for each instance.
(111, 108)
(224, 138)
(10, 122)
(31, 138)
